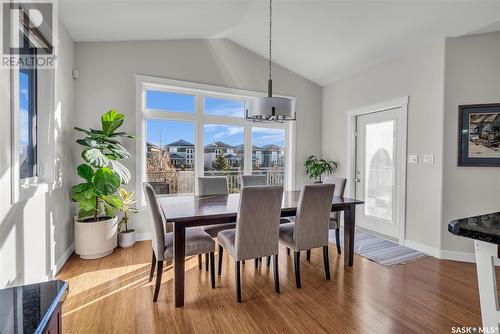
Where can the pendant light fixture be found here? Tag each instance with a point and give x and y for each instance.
(271, 108)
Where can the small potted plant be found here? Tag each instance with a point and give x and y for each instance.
(126, 236)
(96, 223)
(315, 167)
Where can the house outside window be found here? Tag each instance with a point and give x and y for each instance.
(189, 130)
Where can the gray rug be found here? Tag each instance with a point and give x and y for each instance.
(382, 251)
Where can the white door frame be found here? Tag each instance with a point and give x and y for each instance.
(401, 135)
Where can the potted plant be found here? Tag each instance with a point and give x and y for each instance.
(96, 223)
(126, 236)
(315, 167)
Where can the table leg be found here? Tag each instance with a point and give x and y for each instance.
(349, 223)
(486, 256)
(179, 251)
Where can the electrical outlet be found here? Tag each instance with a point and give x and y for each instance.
(428, 159)
(413, 159)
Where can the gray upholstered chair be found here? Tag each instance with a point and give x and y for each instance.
(256, 232)
(310, 229)
(258, 180)
(208, 186)
(197, 241)
(253, 180)
(339, 183)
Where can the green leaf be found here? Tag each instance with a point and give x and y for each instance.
(122, 134)
(85, 171)
(88, 204)
(105, 181)
(109, 210)
(113, 200)
(118, 151)
(95, 157)
(111, 121)
(81, 130)
(84, 195)
(121, 171)
(81, 187)
(86, 213)
(89, 142)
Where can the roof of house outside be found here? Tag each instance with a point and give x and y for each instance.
(180, 142)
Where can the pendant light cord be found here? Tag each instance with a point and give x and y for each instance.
(270, 81)
(270, 36)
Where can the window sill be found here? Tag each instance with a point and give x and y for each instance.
(29, 190)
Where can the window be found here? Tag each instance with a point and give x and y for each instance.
(224, 153)
(189, 130)
(224, 107)
(268, 154)
(169, 166)
(27, 124)
(167, 101)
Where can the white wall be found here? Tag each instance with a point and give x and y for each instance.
(418, 74)
(36, 235)
(107, 81)
(472, 76)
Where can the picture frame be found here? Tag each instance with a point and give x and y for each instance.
(479, 135)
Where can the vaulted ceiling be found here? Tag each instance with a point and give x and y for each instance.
(320, 40)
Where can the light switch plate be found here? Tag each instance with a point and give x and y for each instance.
(413, 159)
(428, 159)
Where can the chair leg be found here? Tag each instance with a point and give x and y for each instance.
(287, 251)
(212, 269)
(327, 262)
(221, 252)
(159, 272)
(296, 259)
(256, 261)
(268, 261)
(238, 283)
(153, 264)
(337, 239)
(199, 262)
(276, 273)
(308, 255)
(206, 261)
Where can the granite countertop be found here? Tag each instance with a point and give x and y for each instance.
(483, 227)
(27, 309)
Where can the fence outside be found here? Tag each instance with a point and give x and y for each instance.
(182, 182)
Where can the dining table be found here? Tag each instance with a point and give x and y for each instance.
(190, 211)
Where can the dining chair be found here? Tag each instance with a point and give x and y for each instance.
(339, 183)
(253, 180)
(257, 230)
(310, 229)
(208, 186)
(258, 180)
(197, 241)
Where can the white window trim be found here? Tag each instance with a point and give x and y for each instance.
(23, 189)
(143, 83)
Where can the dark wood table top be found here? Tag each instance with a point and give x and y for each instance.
(483, 227)
(220, 208)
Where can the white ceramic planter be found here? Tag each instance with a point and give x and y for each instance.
(126, 239)
(94, 240)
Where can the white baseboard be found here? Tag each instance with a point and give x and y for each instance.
(143, 236)
(458, 256)
(62, 260)
(441, 253)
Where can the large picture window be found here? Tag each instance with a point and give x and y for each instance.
(190, 130)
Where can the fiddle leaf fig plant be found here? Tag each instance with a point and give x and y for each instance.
(315, 167)
(102, 172)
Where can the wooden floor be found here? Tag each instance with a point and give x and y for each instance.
(112, 295)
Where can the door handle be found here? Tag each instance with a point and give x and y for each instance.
(357, 180)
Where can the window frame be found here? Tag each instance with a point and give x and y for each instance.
(144, 83)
